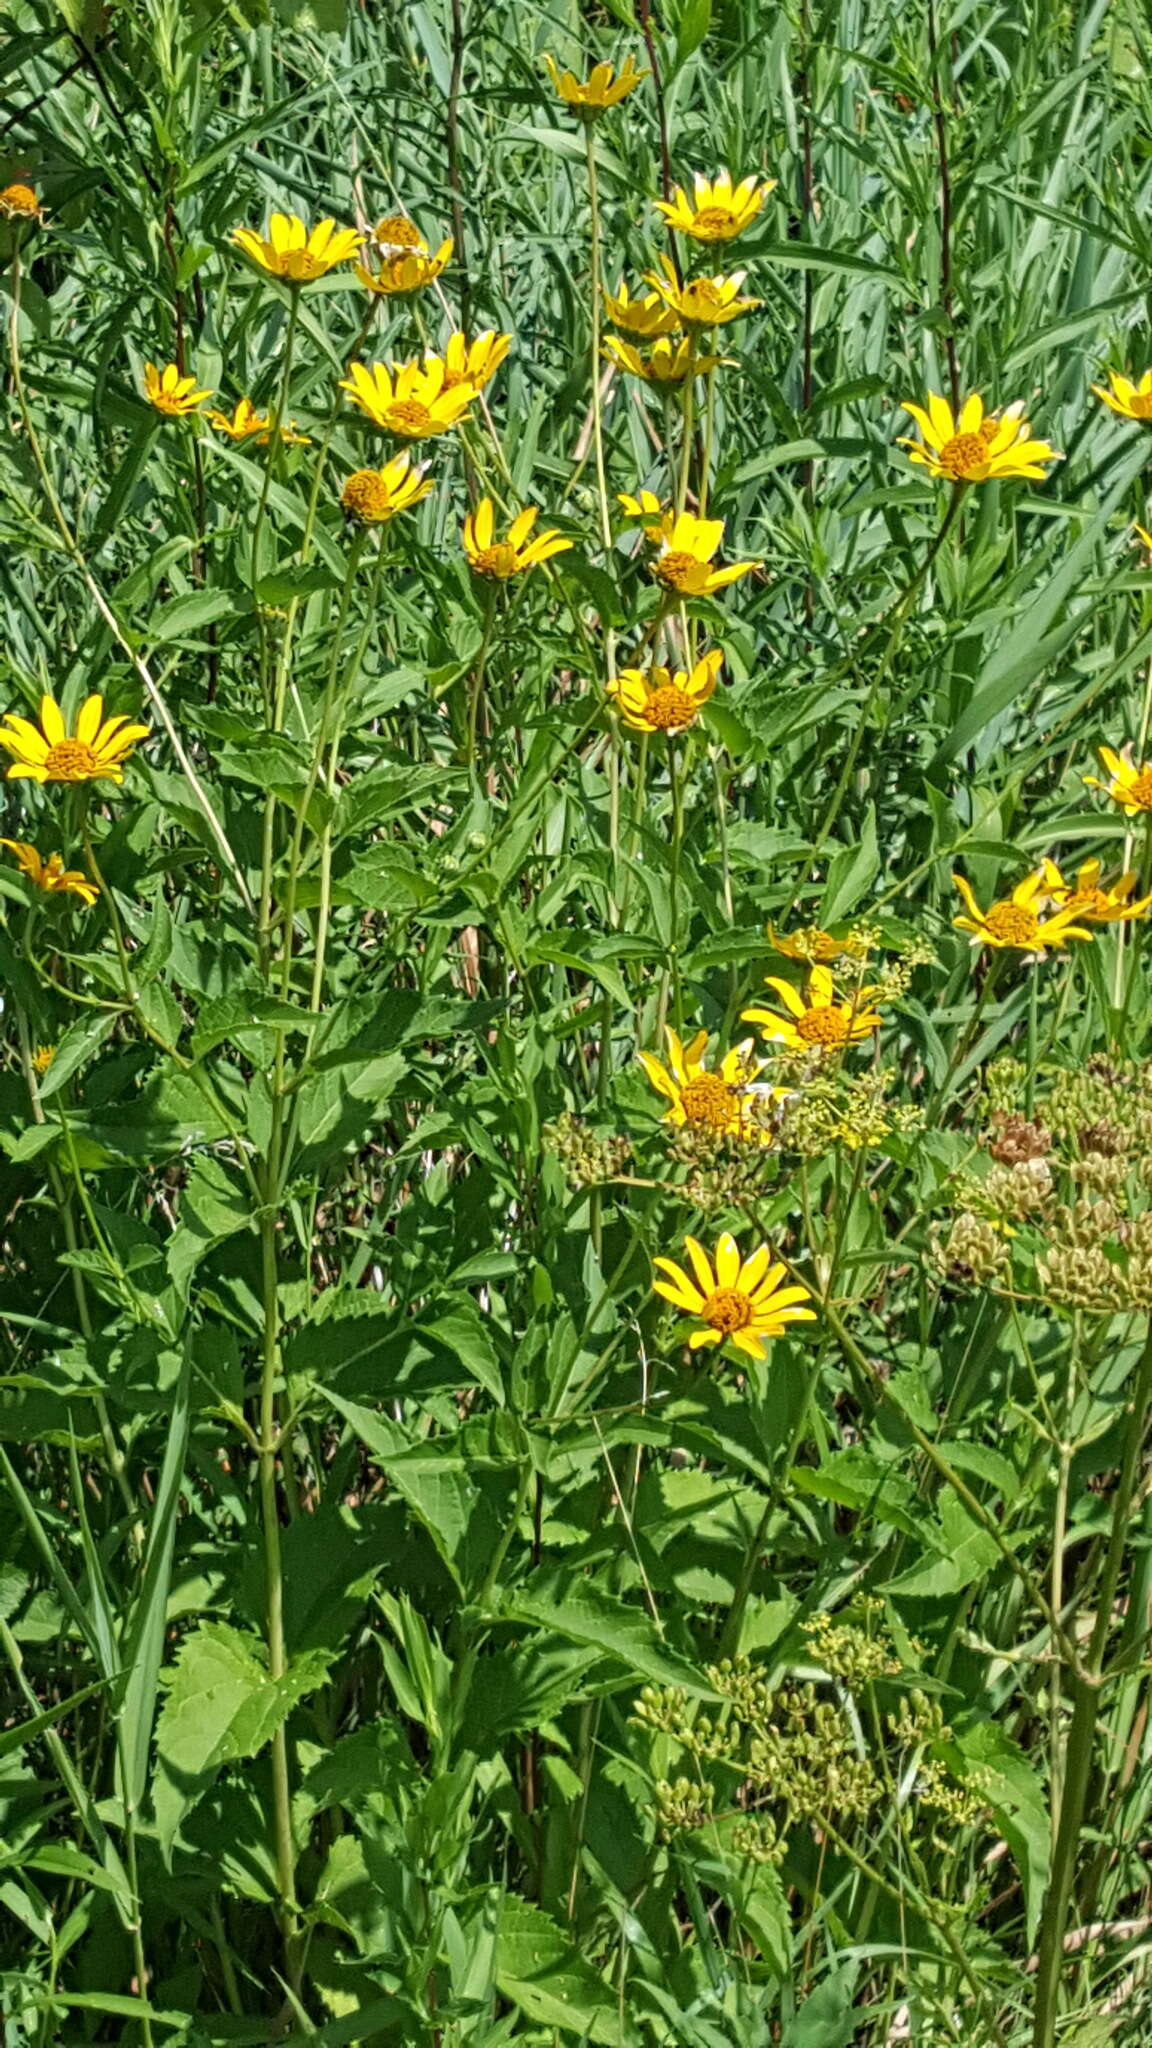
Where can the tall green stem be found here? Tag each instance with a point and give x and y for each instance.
(273, 1561)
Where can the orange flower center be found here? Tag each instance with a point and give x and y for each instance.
(727, 1310)
(713, 223)
(71, 761)
(1087, 903)
(669, 709)
(366, 496)
(706, 1099)
(674, 568)
(1139, 790)
(965, 455)
(409, 416)
(1013, 924)
(498, 560)
(823, 1025)
(396, 231)
(18, 199)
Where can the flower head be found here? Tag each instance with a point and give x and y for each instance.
(406, 261)
(744, 1299)
(599, 91)
(1128, 786)
(410, 399)
(810, 943)
(706, 1098)
(19, 202)
(373, 496)
(716, 212)
(292, 252)
(473, 362)
(42, 1058)
(700, 301)
(95, 752)
(816, 1022)
(171, 393)
(1131, 401)
(655, 700)
(684, 557)
(502, 559)
(1092, 902)
(646, 317)
(245, 422)
(1015, 924)
(51, 875)
(667, 362)
(974, 447)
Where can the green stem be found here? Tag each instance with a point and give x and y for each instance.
(476, 683)
(274, 446)
(594, 259)
(273, 1562)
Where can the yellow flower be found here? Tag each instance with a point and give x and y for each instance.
(743, 1299)
(975, 446)
(171, 393)
(646, 506)
(1143, 536)
(1132, 401)
(245, 421)
(1015, 925)
(96, 751)
(599, 90)
(668, 362)
(1128, 786)
(473, 362)
(715, 213)
(51, 875)
(655, 700)
(373, 496)
(43, 1057)
(503, 559)
(709, 1099)
(19, 202)
(1087, 899)
(408, 400)
(812, 944)
(818, 1023)
(700, 301)
(686, 548)
(291, 252)
(646, 317)
(406, 261)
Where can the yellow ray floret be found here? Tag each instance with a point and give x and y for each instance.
(373, 496)
(291, 251)
(473, 362)
(700, 301)
(1131, 401)
(1129, 787)
(975, 447)
(1089, 900)
(410, 398)
(95, 752)
(717, 1099)
(747, 1300)
(645, 505)
(686, 546)
(656, 700)
(667, 362)
(502, 559)
(646, 318)
(170, 393)
(816, 1021)
(51, 875)
(809, 942)
(245, 422)
(1016, 924)
(716, 212)
(600, 90)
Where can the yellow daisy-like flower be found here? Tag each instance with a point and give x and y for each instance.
(646, 506)
(1131, 401)
(373, 496)
(1087, 898)
(716, 212)
(646, 318)
(95, 752)
(812, 944)
(974, 447)
(668, 362)
(747, 1300)
(502, 559)
(245, 422)
(684, 559)
(599, 91)
(1015, 924)
(816, 1022)
(19, 202)
(42, 1058)
(410, 399)
(291, 251)
(655, 700)
(473, 362)
(1129, 787)
(51, 875)
(406, 261)
(700, 301)
(709, 1099)
(170, 393)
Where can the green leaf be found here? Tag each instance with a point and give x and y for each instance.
(543, 1973)
(585, 1612)
(79, 1045)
